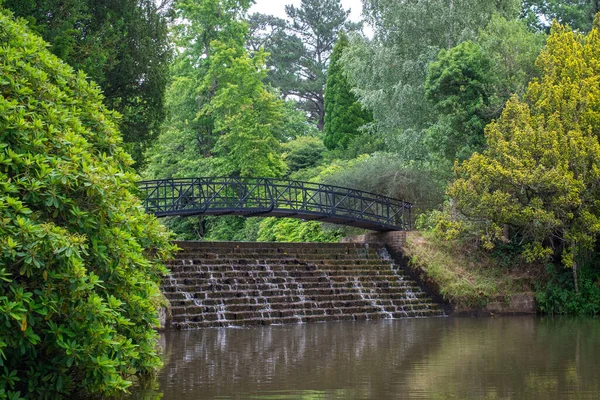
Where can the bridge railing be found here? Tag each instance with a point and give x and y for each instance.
(267, 196)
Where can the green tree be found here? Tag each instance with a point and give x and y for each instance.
(388, 71)
(222, 119)
(80, 261)
(469, 84)
(457, 86)
(303, 152)
(285, 49)
(540, 174)
(121, 45)
(300, 50)
(317, 24)
(578, 14)
(344, 115)
(246, 115)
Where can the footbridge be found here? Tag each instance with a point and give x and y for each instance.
(251, 197)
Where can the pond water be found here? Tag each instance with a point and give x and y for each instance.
(429, 358)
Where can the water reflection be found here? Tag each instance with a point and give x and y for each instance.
(436, 358)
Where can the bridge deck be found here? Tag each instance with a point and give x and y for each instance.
(274, 197)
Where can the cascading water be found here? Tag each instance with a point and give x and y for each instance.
(230, 284)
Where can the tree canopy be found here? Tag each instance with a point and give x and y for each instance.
(301, 49)
(80, 261)
(388, 71)
(540, 173)
(121, 45)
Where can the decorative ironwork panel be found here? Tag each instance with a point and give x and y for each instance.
(276, 197)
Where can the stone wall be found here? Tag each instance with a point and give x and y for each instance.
(394, 240)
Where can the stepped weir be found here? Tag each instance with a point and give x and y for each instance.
(237, 284)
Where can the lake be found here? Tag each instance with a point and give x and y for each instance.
(422, 358)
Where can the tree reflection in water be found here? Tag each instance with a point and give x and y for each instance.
(502, 358)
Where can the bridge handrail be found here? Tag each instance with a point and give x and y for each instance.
(264, 195)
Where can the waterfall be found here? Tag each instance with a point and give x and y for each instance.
(235, 284)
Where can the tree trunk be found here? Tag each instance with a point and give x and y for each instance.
(575, 277)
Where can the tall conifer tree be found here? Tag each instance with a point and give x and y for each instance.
(344, 115)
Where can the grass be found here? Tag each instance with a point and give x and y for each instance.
(464, 275)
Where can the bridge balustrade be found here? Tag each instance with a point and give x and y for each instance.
(274, 197)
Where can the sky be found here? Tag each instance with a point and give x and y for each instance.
(277, 7)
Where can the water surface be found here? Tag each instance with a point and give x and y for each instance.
(429, 358)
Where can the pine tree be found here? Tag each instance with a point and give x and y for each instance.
(344, 115)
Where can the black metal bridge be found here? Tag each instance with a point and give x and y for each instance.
(252, 197)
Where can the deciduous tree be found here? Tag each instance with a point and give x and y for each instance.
(540, 174)
(389, 70)
(578, 14)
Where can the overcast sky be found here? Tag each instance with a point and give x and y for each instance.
(277, 7)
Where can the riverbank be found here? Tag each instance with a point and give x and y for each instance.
(470, 280)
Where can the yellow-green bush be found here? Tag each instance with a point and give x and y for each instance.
(79, 259)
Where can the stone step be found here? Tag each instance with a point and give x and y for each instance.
(220, 284)
(283, 280)
(180, 299)
(270, 290)
(307, 295)
(274, 256)
(389, 305)
(224, 247)
(282, 262)
(306, 319)
(192, 270)
(278, 314)
(292, 287)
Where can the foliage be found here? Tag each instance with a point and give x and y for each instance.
(225, 228)
(469, 84)
(540, 172)
(121, 45)
(457, 86)
(344, 115)
(512, 50)
(300, 50)
(388, 71)
(295, 123)
(271, 229)
(285, 49)
(303, 152)
(185, 144)
(578, 14)
(295, 230)
(222, 119)
(80, 261)
(386, 174)
(246, 115)
(557, 295)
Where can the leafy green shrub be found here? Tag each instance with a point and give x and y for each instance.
(295, 230)
(388, 175)
(558, 296)
(79, 258)
(303, 152)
